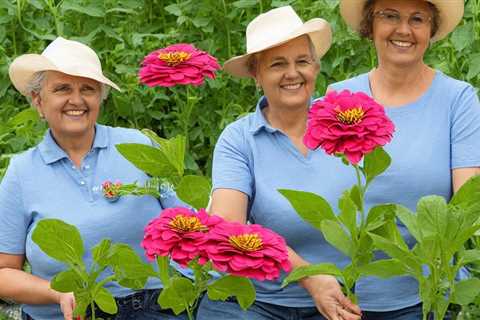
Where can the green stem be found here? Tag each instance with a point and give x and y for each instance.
(227, 31)
(362, 195)
(92, 307)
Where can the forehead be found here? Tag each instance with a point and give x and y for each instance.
(295, 47)
(408, 6)
(55, 77)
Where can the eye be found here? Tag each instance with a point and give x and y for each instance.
(61, 88)
(418, 19)
(304, 62)
(278, 64)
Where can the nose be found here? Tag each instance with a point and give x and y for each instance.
(403, 27)
(291, 71)
(75, 97)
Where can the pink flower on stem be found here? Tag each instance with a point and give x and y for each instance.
(352, 124)
(178, 233)
(110, 190)
(177, 64)
(250, 251)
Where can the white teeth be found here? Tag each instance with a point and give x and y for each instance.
(402, 43)
(292, 86)
(75, 112)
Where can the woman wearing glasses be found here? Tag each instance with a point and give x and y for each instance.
(436, 147)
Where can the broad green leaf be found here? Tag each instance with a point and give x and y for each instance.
(311, 270)
(105, 301)
(163, 269)
(311, 207)
(173, 149)
(194, 190)
(468, 192)
(59, 240)
(245, 3)
(462, 36)
(95, 9)
(468, 256)
(177, 295)
(409, 219)
(375, 163)
(101, 252)
(474, 68)
(336, 236)
(356, 197)
(148, 159)
(378, 215)
(465, 291)
(348, 213)
(173, 9)
(67, 281)
(383, 268)
(432, 214)
(82, 302)
(231, 286)
(129, 268)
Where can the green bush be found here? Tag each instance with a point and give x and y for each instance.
(124, 31)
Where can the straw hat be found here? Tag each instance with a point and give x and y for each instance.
(67, 56)
(451, 13)
(274, 28)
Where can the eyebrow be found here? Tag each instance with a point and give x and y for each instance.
(283, 58)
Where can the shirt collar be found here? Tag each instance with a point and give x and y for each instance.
(259, 121)
(51, 151)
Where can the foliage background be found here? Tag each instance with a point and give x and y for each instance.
(122, 32)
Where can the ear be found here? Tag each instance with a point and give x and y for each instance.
(37, 103)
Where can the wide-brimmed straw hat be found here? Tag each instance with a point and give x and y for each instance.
(274, 28)
(450, 11)
(67, 56)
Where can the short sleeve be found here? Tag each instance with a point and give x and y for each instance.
(465, 130)
(13, 219)
(231, 162)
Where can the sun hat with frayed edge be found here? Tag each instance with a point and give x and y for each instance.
(66, 56)
(276, 27)
(450, 11)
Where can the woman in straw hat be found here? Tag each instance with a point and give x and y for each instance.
(263, 151)
(436, 146)
(61, 178)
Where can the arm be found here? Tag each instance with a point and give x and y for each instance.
(461, 175)
(325, 290)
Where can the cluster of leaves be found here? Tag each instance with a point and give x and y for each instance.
(123, 31)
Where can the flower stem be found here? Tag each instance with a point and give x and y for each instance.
(362, 195)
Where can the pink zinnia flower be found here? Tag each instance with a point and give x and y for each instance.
(348, 123)
(111, 190)
(178, 233)
(250, 251)
(177, 64)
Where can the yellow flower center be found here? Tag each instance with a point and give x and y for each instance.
(350, 116)
(186, 224)
(246, 242)
(174, 58)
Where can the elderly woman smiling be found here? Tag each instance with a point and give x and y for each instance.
(263, 152)
(61, 178)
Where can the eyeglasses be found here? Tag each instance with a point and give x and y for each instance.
(394, 18)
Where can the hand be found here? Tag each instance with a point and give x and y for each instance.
(67, 304)
(329, 299)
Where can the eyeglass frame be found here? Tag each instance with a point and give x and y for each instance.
(381, 14)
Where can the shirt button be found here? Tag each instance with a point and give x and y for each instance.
(82, 182)
(73, 167)
(86, 166)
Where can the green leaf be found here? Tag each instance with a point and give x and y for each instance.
(178, 294)
(474, 67)
(82, 302)
(409, 219)
(174, 9)
(105, 301)
(194, 190)
(60, 241)
(231, 286)
(101, 252)
(67, 281)
(94, 9)
(311, 207)
(348, 213)
(375, 163)
(383, 268)
(469, 256)
(173, 149)
(465, 291)
(356, 197)
(462, 36)
(163, 264)
(311, 270)
(468, 192)
(336, 236)
(379, 215)
(432, 215)
(245, 3)
(129, 268)
(148, 159)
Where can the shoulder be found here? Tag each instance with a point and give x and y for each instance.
(240, 128)
(26, 161)
(356, 83)
(449, 85)
(126, 135)
(459, 95)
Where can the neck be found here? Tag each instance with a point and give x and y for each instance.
(292, 121)
(76, 147)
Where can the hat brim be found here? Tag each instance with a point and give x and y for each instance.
(451, 13)
(25, 66)
(318, 30)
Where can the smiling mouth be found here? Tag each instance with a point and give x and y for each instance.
(293, 86)
(401, 44)
(75, 113)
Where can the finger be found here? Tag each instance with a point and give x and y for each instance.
(346, 315)
(350, 306)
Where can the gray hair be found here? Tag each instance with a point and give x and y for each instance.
(252, 62)
(36, 83)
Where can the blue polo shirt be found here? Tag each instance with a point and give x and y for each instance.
(43, 183)
(438, 132)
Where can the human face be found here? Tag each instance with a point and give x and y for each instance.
(404, 43)
(287, 74)
(69, 104)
